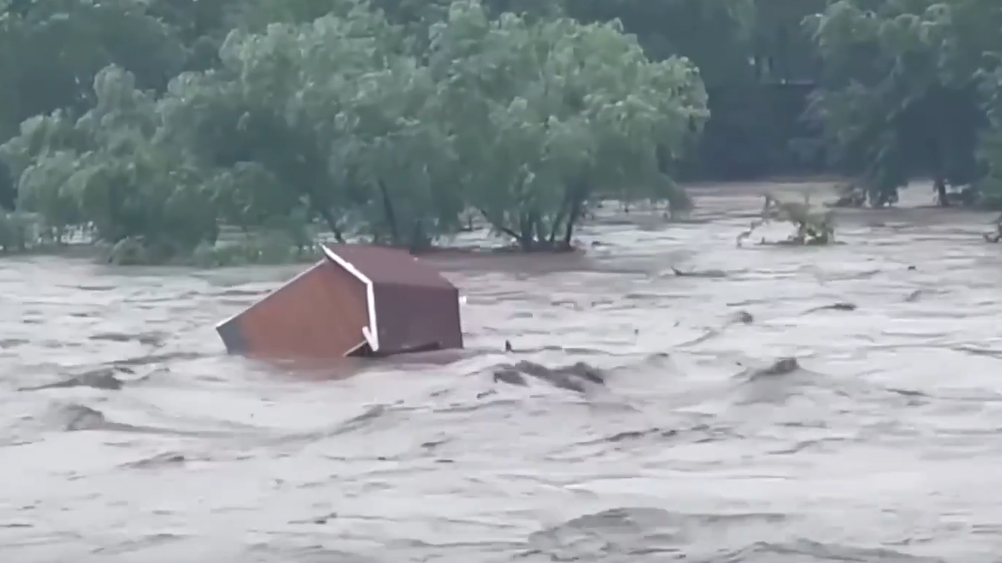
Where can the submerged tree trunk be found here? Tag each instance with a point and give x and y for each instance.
(577, 194)
(533, 234)
(572, 219)
(325, 213)
(499, 225)
(419, 241)
(388, 212)
(526, 236)
(939, 184)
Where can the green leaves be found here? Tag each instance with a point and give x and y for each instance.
(343, 118)
(108, 169)
(904, 90)
(548, 112)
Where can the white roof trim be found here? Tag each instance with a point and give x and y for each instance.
(356, 348)
(370, 332)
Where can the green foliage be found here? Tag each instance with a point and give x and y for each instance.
(392, 139)
(542, 129)
(109, 169)
(907, 90)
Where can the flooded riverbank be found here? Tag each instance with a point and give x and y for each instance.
(881, 447)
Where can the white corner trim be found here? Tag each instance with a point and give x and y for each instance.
(370, 332)
(367, 334)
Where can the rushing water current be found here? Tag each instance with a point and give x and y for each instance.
(886, 444)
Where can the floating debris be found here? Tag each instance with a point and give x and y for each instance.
(359, 300)
(575, 377)
(699, 273)
(839, 306)
(782, 366)
(742, 317)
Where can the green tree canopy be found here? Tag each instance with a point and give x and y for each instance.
(525, 119)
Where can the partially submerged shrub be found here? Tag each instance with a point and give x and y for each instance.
(814, 226)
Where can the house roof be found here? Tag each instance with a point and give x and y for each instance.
(387, 266)
(378, 265)
(331, 308)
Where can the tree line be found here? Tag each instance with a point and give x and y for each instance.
(157, 123)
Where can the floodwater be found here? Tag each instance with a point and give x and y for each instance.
(885, 446)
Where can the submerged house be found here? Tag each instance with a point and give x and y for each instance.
(359, 300)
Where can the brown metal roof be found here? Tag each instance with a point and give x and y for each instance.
(360, 299)
(411, 306)
(390, 266)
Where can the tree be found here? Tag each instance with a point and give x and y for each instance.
(718, 37)
(903, 90)
(523, 117)
(110, 169)
(547, 113)
(53, 50)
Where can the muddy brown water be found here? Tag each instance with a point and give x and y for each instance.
(885, 445)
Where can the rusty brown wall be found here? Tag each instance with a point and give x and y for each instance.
(415, 317)
(318, 315)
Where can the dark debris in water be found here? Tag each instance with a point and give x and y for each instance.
(839, 306)
(159, 460)
(782, 366)
(154, 339)
(632, 532)
(575, 377)
(80, 417)
(742, 317)
(693, 434)
(103, 378)
(805, 551)
(74, 417)
(629, 533)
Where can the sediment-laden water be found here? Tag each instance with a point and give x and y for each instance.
(885, 445)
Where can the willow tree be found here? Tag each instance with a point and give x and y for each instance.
(245, 121)
(109, 169)
(389, 153)
(548, 114)
(341, 119)
(408, 139)
(51, 51)
(975, 47)
(902, 91)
